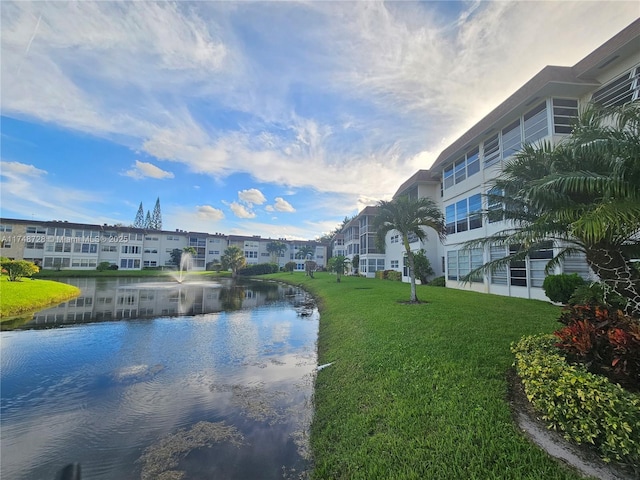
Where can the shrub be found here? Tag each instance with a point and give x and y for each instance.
(585, 407)
(289, 267)
(559, 288)
(113, 267)
(17, 269)
(438, 282)
(389, 275)
(259, 269)
(422, 266)
(606, 341)
(595, 294)
(102, 266)
(214, 266)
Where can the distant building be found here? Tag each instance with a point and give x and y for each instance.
(78, 246)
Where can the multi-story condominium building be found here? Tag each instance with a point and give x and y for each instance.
(542, 110)
(66, 245)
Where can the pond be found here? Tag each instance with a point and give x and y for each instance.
(155, 380)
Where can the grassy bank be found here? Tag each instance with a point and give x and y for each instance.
(420, 391)
(29, 295)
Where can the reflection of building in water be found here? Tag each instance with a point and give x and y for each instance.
(124, 298)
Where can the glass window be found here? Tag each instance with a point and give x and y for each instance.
(491, 150)
(450, 215)
(475, 211)
(477, 261)
(473, 162)
(460, 170)
(463, 263)
(462, 224)
(448, 177)
(511, 139)
(517, 269)
(452, 265)
(565, 114)
(495, 205)
(535, 123)
(620, 91)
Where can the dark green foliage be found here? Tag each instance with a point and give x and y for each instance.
(102, 266)
(559, 288)
(289, 267)
(259, 269)
(438, 282)
(422, 266)
(113, 267)
(594, 294)
(214, 266)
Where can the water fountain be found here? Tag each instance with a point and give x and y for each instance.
(185, 265)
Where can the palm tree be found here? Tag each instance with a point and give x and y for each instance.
(306, 252)
(583, 194)
(408, 217)
(276, 249)
(339, 264)
(233, 259)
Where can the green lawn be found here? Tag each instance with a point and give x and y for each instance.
(29, 295)
(420, 391)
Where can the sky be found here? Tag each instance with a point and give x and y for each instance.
(276, 119)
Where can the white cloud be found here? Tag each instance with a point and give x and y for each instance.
(147, 170)
(15, 169)
(241, 211)
(282, 205)
(207, 212)
(251, 197)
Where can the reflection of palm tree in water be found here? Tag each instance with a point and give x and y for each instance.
(231, 298)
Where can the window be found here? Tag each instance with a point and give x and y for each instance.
(475, 211)
(250, 254)
(620, 91)
(537, 263)
(462, 223)
(460, 170)
(448, 177)
(452, 265)
(39, 230)
(535, 124)
(491, 150)
(133, 249)
(511, 139)
(85, 247)
(35, 245)
(495, 205)
(395, 264)
(517, 268)
(473, 162)
(109, 248)
(130, 263)
(565, 113)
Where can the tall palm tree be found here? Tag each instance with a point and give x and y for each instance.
(233, 259)
(408, 217)
(583, 194)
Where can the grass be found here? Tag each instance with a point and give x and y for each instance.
(420, 391)
(17, 298)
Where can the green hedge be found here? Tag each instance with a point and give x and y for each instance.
(586, 408)
(389, 275)
(259, 269)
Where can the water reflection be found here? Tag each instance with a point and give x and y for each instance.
(118, 395)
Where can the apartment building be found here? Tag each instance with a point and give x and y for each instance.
(66, 245)
(542, 110)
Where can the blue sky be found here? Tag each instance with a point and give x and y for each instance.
(274, 118)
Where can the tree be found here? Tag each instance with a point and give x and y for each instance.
(156, 217)
(276, 249)
(339, 264)
(233, 259)
(289, 267)
(306, 252)
(582, 194)
(139, 221)
(147, 220)
(17, 269)
(408, 217)
(423, 266)
(356, 263)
